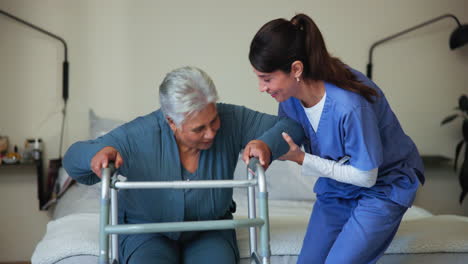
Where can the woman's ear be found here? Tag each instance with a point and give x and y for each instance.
(297, 67)
(171, 124)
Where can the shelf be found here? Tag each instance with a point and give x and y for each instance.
(17, 165)
(436, 161)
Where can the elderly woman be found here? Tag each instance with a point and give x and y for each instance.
(190, 138)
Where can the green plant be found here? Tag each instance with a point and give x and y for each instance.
(463, 114)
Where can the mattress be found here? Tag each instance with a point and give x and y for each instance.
(430, 258)
(289, 219)
(422, 237)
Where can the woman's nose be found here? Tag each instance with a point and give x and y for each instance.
(263, 88)
(210, 133)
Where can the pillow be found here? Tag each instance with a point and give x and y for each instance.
(99, 126)
(284, 181)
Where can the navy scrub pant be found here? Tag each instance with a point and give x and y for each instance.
(191, 248)
(350, 230)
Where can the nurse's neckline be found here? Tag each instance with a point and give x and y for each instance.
(311, 93)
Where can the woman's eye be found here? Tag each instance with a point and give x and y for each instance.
(266, 80)
(214, 121)
(198, 130)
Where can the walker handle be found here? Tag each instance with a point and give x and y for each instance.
(252, 163)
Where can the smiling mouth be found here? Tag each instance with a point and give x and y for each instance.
(274, 95)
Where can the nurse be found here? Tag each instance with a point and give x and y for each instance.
(369, 168)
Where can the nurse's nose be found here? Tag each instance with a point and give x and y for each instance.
(263, 88)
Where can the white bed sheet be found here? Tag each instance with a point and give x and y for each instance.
(79, 198)
(74, 230)
(289, 219)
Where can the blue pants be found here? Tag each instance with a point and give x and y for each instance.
(350, 230)
(192, 248)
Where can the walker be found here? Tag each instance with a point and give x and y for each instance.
(108, 250)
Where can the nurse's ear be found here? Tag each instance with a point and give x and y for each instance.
(297, 67)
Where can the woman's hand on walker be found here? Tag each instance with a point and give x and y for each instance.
(259, 149)
(295, 153)
(102, 158)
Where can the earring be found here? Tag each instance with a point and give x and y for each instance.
(297, 79)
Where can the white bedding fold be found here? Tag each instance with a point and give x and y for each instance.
(439, 233)
(421, 232)
(71, 235)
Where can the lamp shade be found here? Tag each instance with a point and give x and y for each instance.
(459, 37)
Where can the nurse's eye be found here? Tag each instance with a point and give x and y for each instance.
(267, 80)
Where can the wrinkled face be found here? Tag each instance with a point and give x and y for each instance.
(199, 129)
(280, 85)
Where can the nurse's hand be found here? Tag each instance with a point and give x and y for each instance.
(295, 153)
(102, 159)
(259, 149)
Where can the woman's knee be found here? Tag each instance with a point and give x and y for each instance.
(210, 247)
(159, 250)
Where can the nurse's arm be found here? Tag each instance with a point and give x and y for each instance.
(316, 166)
(295, 153)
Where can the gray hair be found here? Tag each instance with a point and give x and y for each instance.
(185, 91)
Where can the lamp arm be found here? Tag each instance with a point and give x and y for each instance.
(65, 63)
(375, 44)
(40, 181)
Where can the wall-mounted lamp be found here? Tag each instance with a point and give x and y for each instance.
(54, 164)
(458, 38)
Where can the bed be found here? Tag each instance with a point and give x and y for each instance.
(72, 234)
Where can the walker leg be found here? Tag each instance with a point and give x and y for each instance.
(265, 228)
(114, 249)
(104, 221)
(252, 214)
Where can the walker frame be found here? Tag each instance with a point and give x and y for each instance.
(109, 228)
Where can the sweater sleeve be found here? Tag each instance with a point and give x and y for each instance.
(77, 159)
(267, 128)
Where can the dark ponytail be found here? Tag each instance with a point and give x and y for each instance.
(280, 42)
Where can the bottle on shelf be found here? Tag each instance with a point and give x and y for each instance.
(37, 149)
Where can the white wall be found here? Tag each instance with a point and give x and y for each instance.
(22, 224)
(119, 51)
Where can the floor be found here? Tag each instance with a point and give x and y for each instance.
(440, 194)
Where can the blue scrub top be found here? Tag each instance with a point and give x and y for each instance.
(370, 134)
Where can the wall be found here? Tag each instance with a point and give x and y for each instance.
(119, 51)
(23, 225)
(441, 192)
